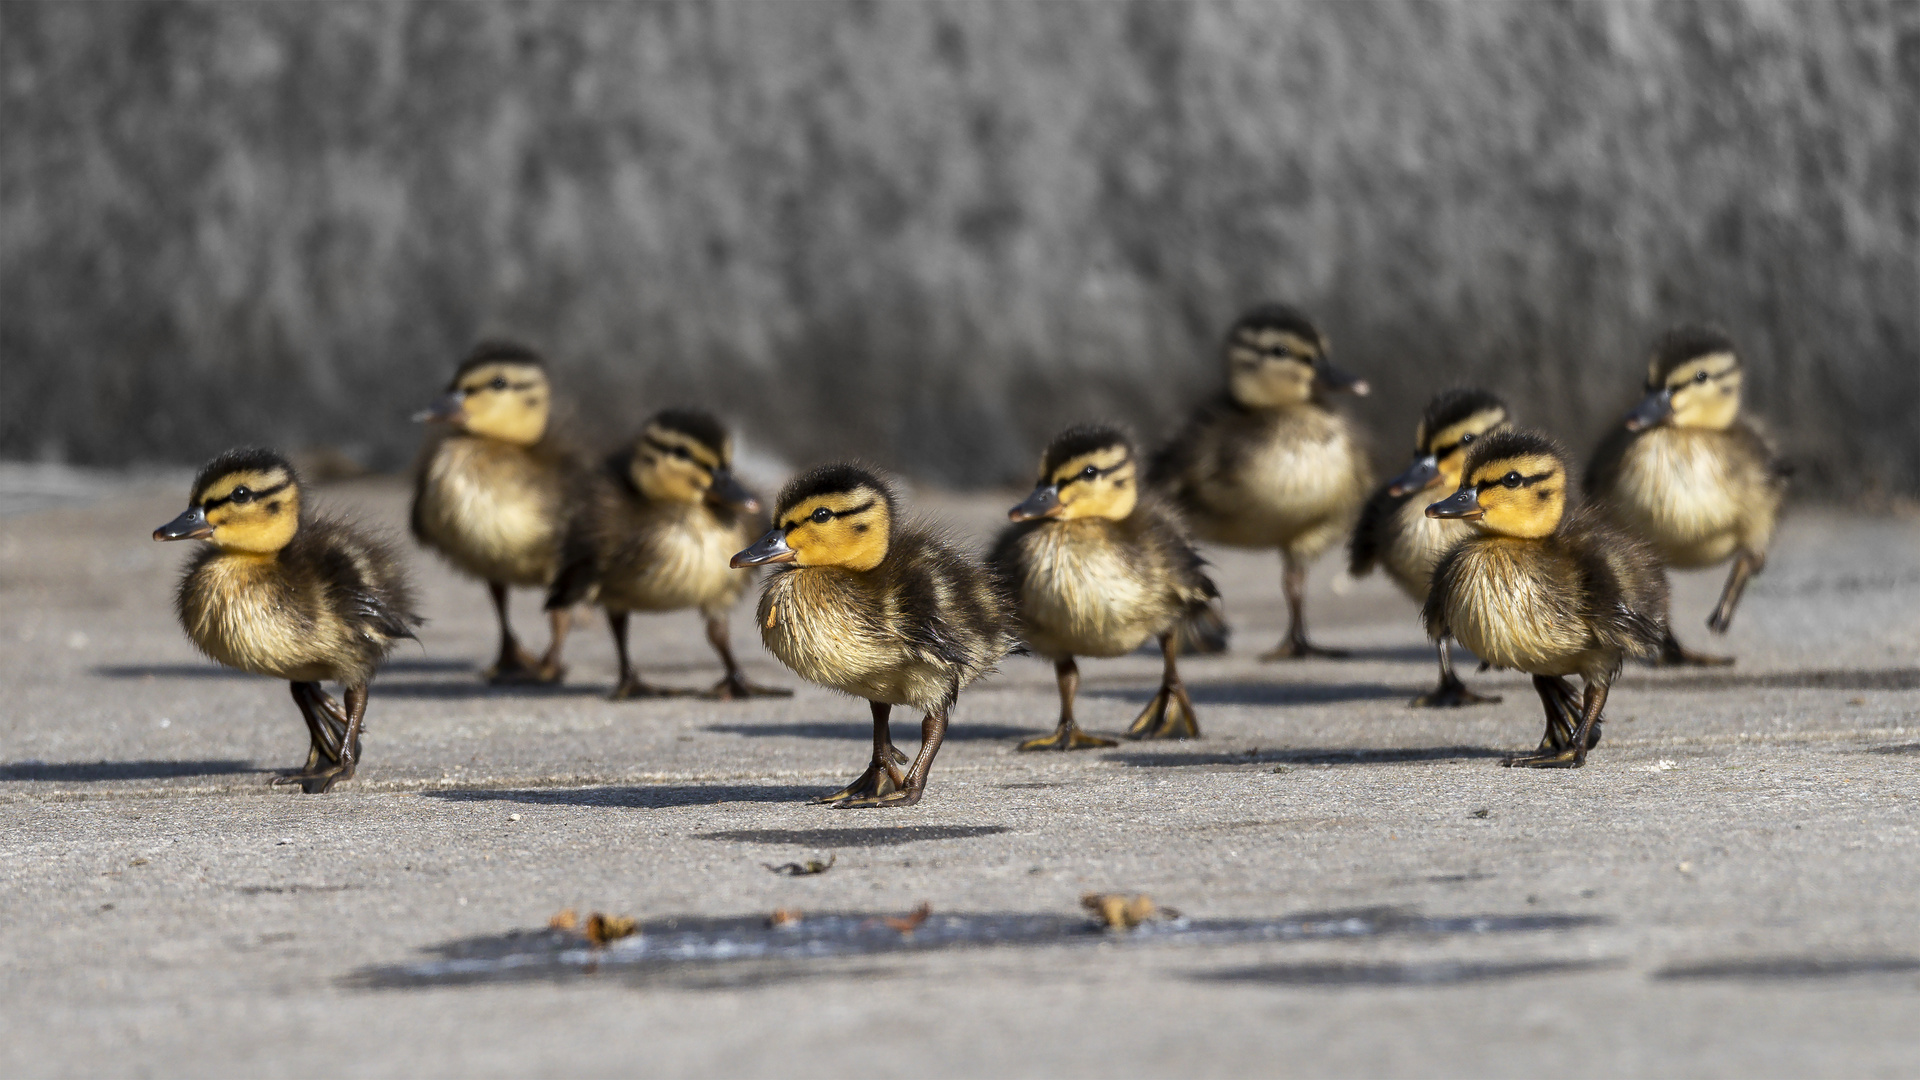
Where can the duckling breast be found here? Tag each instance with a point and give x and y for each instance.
(1081, 594)
(675, 557)
(1679, 488)
(243, 612)
(492, 510)
(1415, 543)
(1297, 481)
(1513, 604)
(829, 630)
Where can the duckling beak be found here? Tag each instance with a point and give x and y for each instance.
(1044, 502)
(191, 525)
(770, 548)
(1464, 504)
(726, 490)
(1335, 379)
(1651, 412)
(1419, 476)
(449, 406)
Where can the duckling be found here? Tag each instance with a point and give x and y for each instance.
(1269, 464)
(1545, 586)
(656, 536)
(1395, 531)
(886, 611)
(1685, 472)
(1095, 570)
(280, 592)
(493, 493)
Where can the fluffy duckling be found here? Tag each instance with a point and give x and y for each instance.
(1544, 586)
(886, 611)
(1395, 531)
(656, 535)
(1686, 473)
(1269, 464)
(493, 493)
(1095, 569)
(280, 592)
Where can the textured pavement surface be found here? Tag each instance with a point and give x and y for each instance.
(1731, 887)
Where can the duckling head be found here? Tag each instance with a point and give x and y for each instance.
(1693, 381)
(835, 515)
(686, 457)
(1514, 483)
(1088, 471)
(1454, 421)
(244, 501)
(1277, 358)
(499, 392)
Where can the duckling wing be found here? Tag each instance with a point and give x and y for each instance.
(1363, 549)
(363, 579)
(1623, 590)
(1197, 453)
(583, 546)
(1603, 469)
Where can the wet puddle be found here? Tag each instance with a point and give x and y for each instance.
(680, 945)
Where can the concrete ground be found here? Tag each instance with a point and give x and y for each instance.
(1743, 844)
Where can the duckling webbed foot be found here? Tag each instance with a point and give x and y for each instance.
(335, 750)
(1068, 736)
(1170, 714)
(1674, 654)
(737, 687)
(1451, 693)
(518, 667)
(884, 778)
(633, 687)
(1299, 648)
(1295, 646)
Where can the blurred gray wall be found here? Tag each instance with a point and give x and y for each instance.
(932, 234)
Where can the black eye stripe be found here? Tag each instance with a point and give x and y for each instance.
(214, 504)
(1500, 480)
(1097, 473)
(795, 523)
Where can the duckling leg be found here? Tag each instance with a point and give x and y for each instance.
(551, 670)
(883, 776)
(1068, 735)
(320, 781)
(1295, 645)
(1745, 565)
(1451, 693)
(1565, 746)
(1674, 654)
(325, 741)
(1170, 714)
(933, 731)
(632, 685)
(515, 664)
(735, 687)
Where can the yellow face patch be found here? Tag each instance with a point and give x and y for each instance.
(1449, 445)
(1706, 391)
(1521, 496)
(505, 401)
(672, 466)
(1269, 369)
(1100, 483)
(847, 528)
(254, 510)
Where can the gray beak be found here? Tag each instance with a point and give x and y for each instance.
(1464, 504)
(1044, 502)
(448, 406)
(191, 525)
(1335, 379)
(771, 548)
(1651, 412)
(727, 490)
(1418, 477)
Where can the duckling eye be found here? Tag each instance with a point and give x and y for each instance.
(499, 382)
(1465, 439)
(240, 495)
(1511, 480)
(1699, 376)
(1089, 473)
(822, 515)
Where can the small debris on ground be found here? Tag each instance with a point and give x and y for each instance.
(1663, 765)
(565, 919)
(784, 917)
(1483, 812)
(912, 920)
(604, 928)
(811, 866)
(1118, 911)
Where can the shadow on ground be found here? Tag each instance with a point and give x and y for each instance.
(1264, 693)
(647, 796)
(1429, 973)
(1773, 968)
(1882, 679)
(208, 669)
(83, 771)
(1411, 755)
(876, 836)
(863, 730)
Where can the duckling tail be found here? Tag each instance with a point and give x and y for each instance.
(1201, 632)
